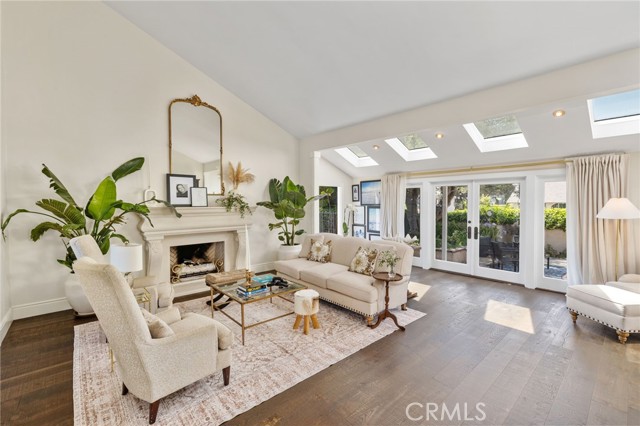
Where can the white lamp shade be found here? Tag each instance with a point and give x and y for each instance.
(619, 208)
(127, 258)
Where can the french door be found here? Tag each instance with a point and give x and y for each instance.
(477, 228)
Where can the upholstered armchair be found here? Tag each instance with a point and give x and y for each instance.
(160, 294)
(186, 348)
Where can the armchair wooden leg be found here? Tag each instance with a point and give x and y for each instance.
(226, 373)
(369, 319)
(153, 411)
(124, 389)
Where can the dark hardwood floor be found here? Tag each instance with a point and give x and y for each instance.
(508, 354)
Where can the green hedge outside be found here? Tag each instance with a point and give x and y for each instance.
(554, 218)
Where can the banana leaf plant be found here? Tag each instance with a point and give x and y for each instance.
(99, 218)
(287, 201)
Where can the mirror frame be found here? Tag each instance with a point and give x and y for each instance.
(197, 102)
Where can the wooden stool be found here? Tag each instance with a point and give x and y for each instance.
(306, 305)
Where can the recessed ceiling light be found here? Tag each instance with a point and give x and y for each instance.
(376, 147)
(558, 113)
(439, 135)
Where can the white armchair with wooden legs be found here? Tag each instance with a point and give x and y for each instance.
(184, 350)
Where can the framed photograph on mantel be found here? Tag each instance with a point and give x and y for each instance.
(370, 192)
(358, 231)
(179, 189)
(199, 197)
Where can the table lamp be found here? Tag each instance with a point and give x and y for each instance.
(127, 258)
(618, 208)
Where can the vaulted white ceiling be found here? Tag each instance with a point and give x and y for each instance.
(313, 67)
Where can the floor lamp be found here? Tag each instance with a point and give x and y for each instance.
(618, 209)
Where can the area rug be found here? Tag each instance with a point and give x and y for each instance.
(273, 359)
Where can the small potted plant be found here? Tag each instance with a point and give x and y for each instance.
(390, 258)
(236, 202)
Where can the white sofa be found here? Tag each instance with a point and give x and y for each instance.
(615, 304)
(336, 284)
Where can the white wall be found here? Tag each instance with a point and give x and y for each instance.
(84, 91)
(5, 298)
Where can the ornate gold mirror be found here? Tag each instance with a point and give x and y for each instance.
(195, 142)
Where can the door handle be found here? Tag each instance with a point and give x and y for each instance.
(475, 233)
(468, 232)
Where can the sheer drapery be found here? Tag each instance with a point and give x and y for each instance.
(392, 205)
(591, 242)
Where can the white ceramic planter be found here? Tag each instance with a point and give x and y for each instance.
(76, 297)
(288, 252)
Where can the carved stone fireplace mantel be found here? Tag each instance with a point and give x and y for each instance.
(197, 225)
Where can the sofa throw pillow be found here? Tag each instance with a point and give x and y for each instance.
(320, 252)
(364, 262)
(307, 242)
(157, 327)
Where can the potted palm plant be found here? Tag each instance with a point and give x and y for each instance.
(287, 202)
(99, 218)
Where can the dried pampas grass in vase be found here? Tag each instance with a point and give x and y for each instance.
(238, 175)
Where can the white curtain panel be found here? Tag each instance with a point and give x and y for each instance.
(394, 188)
(591, 250)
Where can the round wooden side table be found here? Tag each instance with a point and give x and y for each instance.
(383, 276)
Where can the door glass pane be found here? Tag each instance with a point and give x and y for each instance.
(555, 237)
(329, 210)
(499, 245)
(451, 223)
(412, 219)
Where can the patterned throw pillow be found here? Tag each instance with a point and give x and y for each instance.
(320, 252)
(364, 262)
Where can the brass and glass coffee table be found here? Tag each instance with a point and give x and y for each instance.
(229, 290)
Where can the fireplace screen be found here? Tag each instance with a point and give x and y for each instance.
(196, 260)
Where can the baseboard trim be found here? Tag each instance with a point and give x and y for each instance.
(40, 308)
(6, 323)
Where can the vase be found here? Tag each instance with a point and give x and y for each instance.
(288, 252)
(76, 297)
(392, 271)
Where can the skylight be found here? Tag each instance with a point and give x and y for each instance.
(413, 141)
(410, 154)
(497, 127)
(615, 115)
(620, 105)
(497, 134)
(358, 151)
(351, 155)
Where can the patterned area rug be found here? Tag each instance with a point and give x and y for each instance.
(274, 358)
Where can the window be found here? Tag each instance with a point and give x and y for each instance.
(399, 145)
(358, 151)
(329, 210)
(497, 134)
(620, 105)
(615, 115)
(354, 155)
(412, 142)
(496, 127)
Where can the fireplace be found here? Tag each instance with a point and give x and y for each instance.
(211, 230)
(192, 261)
